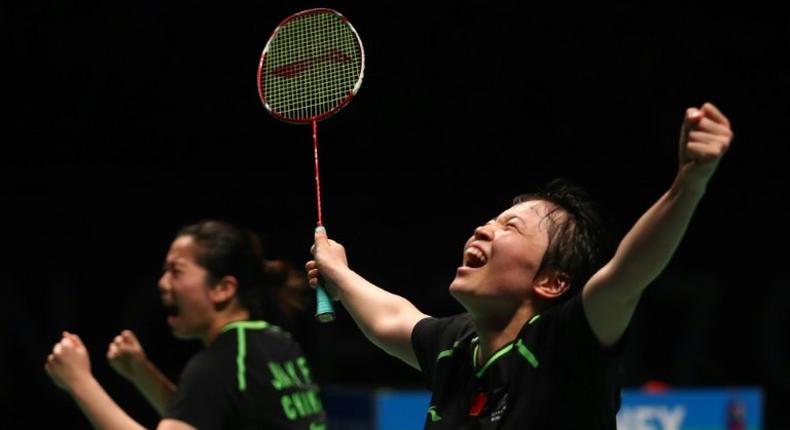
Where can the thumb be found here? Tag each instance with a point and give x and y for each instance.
(320, 237)
(128, 336)
(692, 118)
(75, 339)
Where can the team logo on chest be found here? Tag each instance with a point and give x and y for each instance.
(499, 409)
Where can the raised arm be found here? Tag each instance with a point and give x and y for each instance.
(69, 367)
(128, 358)
(385, 318)
(611, 295)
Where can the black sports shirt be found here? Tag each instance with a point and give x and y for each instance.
(253, 376)
(554, 375)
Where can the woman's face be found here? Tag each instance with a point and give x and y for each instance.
(185, 291)
(501, 259)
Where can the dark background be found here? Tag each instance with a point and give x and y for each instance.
(124, 121)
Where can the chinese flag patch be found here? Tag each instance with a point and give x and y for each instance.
(478, 403)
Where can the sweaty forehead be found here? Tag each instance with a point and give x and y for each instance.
(533, 213)
(530, 209)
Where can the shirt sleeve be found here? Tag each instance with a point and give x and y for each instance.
(204, 398)
(579, 347)
(432, 337)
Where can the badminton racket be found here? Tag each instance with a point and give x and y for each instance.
(311, 67)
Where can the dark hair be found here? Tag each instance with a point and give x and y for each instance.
(264, 287)
(578, 241)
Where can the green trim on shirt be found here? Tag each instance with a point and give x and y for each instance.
(522, 349)
(448, 352)
(526, 353)
(255, 325)
(491, 359)
(241, 338)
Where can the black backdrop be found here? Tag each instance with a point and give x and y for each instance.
(124, 121)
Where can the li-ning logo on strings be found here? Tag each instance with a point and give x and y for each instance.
(299, 67)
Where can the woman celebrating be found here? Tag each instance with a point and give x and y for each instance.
(251, 374)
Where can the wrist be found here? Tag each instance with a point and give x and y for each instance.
(687, 189)
(82, 387)
(689, 184)
(135, 370)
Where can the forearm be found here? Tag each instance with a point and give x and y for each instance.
(386, 319)
(612, 294)
(100, 409)
(155, 387)
(648, 247)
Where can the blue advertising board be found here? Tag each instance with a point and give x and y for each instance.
(736, 408)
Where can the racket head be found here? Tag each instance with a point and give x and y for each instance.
(312, 66)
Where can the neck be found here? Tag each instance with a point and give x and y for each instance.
(221, 320)
(494, 333)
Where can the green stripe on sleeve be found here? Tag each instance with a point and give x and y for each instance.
(526, 353)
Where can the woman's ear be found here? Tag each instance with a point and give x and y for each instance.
(224, 290)
(550, 284)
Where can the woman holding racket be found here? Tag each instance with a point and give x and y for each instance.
(251, 374)
(530, 352)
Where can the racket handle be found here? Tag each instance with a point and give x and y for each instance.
(324, 311)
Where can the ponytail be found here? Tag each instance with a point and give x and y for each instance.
(267, 289)
(287, 287)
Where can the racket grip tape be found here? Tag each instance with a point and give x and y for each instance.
(324, 311)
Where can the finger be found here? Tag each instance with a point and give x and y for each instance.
(310, 265)
(117, 340)
(314, 282)
(67, 342)
(129, 336)
(75, 340)
(705, 152)
(707, 124)
(57, 349)
(711, 138)
(711, 111)
(113, 351)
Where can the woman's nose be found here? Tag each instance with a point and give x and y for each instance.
(162, 284)
(484, 232)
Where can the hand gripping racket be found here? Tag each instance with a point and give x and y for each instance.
(311, 67)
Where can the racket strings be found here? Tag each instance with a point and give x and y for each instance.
(329, 89)
(314, 63)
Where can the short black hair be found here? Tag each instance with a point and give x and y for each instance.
(578, 240)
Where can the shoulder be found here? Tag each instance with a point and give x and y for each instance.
(564, 331)
(446, 329)
(207, 363)
(569, 312)
(440, 337)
